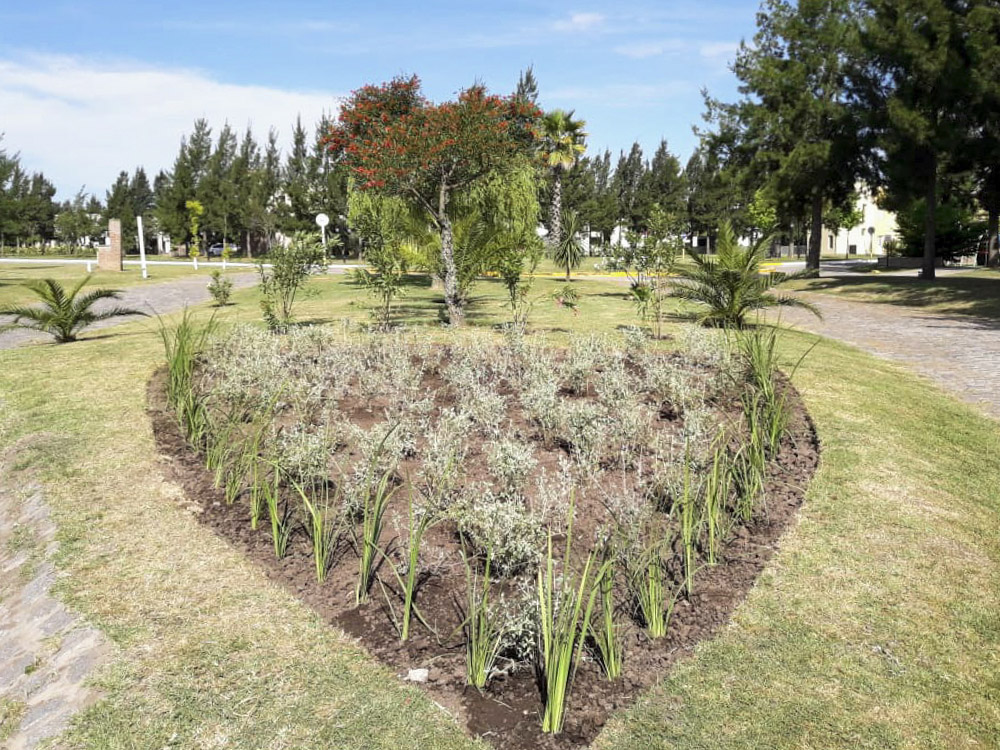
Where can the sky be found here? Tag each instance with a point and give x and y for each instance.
(88, 88)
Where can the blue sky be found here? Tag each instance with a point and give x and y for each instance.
(90, 88)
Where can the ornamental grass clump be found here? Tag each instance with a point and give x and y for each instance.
(606, 632)
(566, 604)
(649, 585)
(324, 522)
(481, 626)
(718, 486)
(183, 345)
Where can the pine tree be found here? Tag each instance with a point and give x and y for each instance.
(662, 184)
(628, 177)
(917, 85)
(797, 125)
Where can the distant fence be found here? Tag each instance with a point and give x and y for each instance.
(91, 263)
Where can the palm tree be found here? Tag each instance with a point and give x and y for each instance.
(562, 142)
(63, 313)
(569, 252)
(731, 285)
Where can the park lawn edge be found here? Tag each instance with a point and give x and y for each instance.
(874, 626)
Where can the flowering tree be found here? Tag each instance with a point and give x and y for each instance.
(397, 142)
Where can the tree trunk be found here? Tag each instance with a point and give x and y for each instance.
(247, 251)
(555, 215)
(816, 234)
(930, 224)
(456, 315)
(993, 230)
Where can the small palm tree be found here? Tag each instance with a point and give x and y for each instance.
(569, 252)
(562, 143)
(731, 285)
(63, 313)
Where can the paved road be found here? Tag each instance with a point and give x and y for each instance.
(960, 353)
(153, 298)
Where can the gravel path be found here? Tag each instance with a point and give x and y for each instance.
(959, 353)
(153, 298)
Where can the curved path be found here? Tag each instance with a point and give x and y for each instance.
(152, 297)
(960, 353)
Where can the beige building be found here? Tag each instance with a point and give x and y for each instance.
(868, 237)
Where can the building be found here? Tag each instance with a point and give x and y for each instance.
(867, 238)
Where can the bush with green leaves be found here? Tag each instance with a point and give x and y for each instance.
(220, 288)
(284, 277)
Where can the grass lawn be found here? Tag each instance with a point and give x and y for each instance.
(874, 627)
(973, 293)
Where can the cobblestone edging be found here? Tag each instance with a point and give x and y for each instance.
(46, 651)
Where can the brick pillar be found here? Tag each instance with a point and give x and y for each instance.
(109, 257)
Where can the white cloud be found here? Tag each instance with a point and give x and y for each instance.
(716, 50)
(580, 22)
(621, 94)
(642, 50)
(82, 122)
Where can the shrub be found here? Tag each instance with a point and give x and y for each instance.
(291, 267)
(220, 288)
(511, 463)
(505, 529)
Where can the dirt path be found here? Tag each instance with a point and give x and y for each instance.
(960, 353)
(158, 297)
(46, 651)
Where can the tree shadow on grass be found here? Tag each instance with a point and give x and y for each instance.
(975, 296)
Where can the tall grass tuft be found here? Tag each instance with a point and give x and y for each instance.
(689, 525)
(419, 521)
(649, 586)
(482, 627)
(718, 485)
(323, 531)
(279, 513)
(606, 633)
(375, 502)
(565, 612)
(182, 344)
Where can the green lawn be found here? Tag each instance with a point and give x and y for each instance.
(973, 293)
(874, 627)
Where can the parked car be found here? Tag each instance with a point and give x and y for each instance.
(216, 250)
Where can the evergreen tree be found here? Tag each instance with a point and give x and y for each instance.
(119, 204)
(216, 190)
(918, 85)
(662, 184)
(299, 215)
(984, 22)
(627, 180)
(797, 122)
(527, 87)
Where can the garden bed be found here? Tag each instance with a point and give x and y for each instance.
(693, 401)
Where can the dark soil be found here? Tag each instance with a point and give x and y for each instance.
(507, 713)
